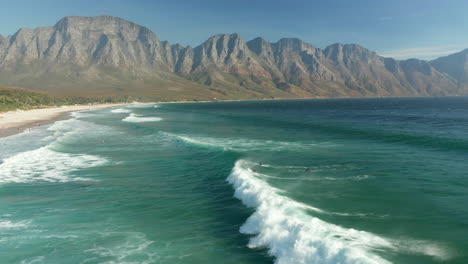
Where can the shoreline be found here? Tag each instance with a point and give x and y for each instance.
(17, 121)
(300, 98)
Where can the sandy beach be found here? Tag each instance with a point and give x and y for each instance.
(14, 122)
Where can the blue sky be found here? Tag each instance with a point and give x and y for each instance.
(399, 28)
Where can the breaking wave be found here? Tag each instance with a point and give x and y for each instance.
(140, 119)
(241, 144)
(46, 163)
(293, 236)
(120, 111)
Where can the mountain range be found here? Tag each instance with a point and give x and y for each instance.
(109, 56)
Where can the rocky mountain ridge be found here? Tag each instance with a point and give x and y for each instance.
(106, 55)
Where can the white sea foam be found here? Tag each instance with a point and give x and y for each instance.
(33, 260)
(35, 138)
(121, 111)
(130, 245)
(45, 165)
(72, 130)
(7, 224)
(246, 144)
(65, 129)
(140, 119)
(294, 236)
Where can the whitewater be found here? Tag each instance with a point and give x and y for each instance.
(300, 181)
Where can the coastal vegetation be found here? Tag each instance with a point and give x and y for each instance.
(19, 98)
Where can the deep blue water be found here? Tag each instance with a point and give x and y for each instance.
(295, 181)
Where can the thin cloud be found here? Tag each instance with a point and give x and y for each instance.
(424, 52)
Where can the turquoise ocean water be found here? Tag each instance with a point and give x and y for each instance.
(300, 181)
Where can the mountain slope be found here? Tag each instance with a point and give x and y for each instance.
(456, 66)
(102, 56)
(93, 56)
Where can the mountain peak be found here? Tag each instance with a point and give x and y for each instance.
(455, 65)
(101, 18)
(108, 24)
(291, 40)
(224, 36)
(292, 44)
(22, 34)
(288, 67)
(338, 51)
(259, 45)
(459, 54)
(102, 27)
(258, 39)
(347, 47)
(220, 42)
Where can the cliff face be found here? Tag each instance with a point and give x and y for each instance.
(85, 41)
(106, 55)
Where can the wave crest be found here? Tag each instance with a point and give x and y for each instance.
(293, 236)
(121, 111)
(46, 165)
(140, 119)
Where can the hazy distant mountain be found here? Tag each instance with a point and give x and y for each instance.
(96, 56)
(455, 65)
